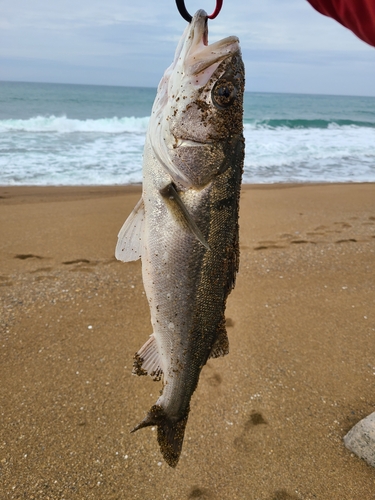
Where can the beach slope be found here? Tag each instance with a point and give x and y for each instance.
(266, 421)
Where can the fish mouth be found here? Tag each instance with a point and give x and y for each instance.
(189, 143)
(199, 56)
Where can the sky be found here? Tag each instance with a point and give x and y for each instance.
(286, 45)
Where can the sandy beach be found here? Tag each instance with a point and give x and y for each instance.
(266, 421)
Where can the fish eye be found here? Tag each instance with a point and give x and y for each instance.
(223, 93)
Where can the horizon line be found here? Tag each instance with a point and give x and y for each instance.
(155, 88)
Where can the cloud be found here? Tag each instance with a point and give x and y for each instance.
(287, 46)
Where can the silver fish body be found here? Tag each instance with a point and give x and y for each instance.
(185, 227)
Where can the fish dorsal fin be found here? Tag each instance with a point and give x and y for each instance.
(221, 345)
(129, 243)
(147, 360)
(171, 196)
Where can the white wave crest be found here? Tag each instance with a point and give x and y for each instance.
(63, 125)
(113, 153)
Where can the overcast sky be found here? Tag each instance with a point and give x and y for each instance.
(287, 46)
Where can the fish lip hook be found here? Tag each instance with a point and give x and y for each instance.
(185, 14)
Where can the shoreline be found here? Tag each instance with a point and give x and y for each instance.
(269, 418)
(67, 192)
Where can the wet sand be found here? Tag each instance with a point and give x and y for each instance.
(266, 421)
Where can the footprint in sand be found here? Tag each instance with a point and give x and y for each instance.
(42, 270)
(241, 442)
(299, 242)
(24, 256)
(214, 379)
(76, 261)
(265, 245)
(255, 419)
(84, 265)
(201, 493)
(229, 322)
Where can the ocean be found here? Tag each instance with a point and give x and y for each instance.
(58, 134)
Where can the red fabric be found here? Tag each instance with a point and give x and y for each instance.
(356, 15)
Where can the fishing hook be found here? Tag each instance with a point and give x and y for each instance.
(185, 14)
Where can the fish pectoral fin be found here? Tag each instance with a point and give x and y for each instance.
(129, 243)
(221, 345)
(170, 433)
(173, 199)
(147, 360)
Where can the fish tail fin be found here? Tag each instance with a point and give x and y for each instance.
(170, 434)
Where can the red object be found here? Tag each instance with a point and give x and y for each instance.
(356, 15)
(219, 4)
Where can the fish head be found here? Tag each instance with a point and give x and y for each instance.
(199, 105)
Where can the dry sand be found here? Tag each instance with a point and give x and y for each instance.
(266, 422)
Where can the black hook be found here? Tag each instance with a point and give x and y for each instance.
(182, 10)
(185, 14)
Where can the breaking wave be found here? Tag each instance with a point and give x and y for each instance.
(52, 150)
(115, 125)
(63, 125)
(273, 124)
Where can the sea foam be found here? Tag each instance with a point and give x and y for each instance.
(49, 150)
(332, 154)
(62, 124)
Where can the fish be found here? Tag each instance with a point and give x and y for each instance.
(185, 227)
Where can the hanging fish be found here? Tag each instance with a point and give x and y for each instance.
(185, 227)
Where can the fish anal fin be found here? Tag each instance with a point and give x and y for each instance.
(129, 243)
(221, 345)
(174, 201)
(170, 434)
(147, 360)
